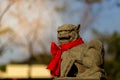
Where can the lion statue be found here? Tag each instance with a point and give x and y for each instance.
(76, 59)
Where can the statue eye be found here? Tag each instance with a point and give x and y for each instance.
(59, 31)
(71, 30)
(65, 31)
(68, 31)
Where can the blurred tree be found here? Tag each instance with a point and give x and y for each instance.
(89, 16)
(3, 68)
(112, 59)
(118, 3)
(34, 26)
(35, 17)
(92, 1)
(10, 3)
(2, 32)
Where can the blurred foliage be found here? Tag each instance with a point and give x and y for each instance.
(3, 68)
(112, 42)
(5, 30)
(44, 59)
(92, 1)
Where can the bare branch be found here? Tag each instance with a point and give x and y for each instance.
(86, 15)
(87, 19)
(30, 47)
(6, 9)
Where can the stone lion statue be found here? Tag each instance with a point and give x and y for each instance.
(76, 60)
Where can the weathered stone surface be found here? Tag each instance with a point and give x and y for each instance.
(73, 78)
(82, 62)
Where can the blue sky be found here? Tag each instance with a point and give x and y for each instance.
(109, 19)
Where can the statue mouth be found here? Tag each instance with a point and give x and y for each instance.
(64, 38)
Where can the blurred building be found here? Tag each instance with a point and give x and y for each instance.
(25, 71)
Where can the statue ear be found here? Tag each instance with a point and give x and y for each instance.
(78, 28)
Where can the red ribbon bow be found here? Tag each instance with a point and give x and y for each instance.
(56, 51)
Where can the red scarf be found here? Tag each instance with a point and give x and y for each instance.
(56, 51)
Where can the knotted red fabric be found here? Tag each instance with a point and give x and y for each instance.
(54, 65)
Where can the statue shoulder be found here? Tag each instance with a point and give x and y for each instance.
(81, 46)
(96, 44)
(94, 53)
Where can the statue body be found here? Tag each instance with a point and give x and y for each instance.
(69, 58)
(81, 62)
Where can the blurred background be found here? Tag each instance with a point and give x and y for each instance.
(27, 27)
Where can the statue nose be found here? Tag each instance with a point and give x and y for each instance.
(62, 33)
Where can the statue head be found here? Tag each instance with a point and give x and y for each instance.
(67, 33)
